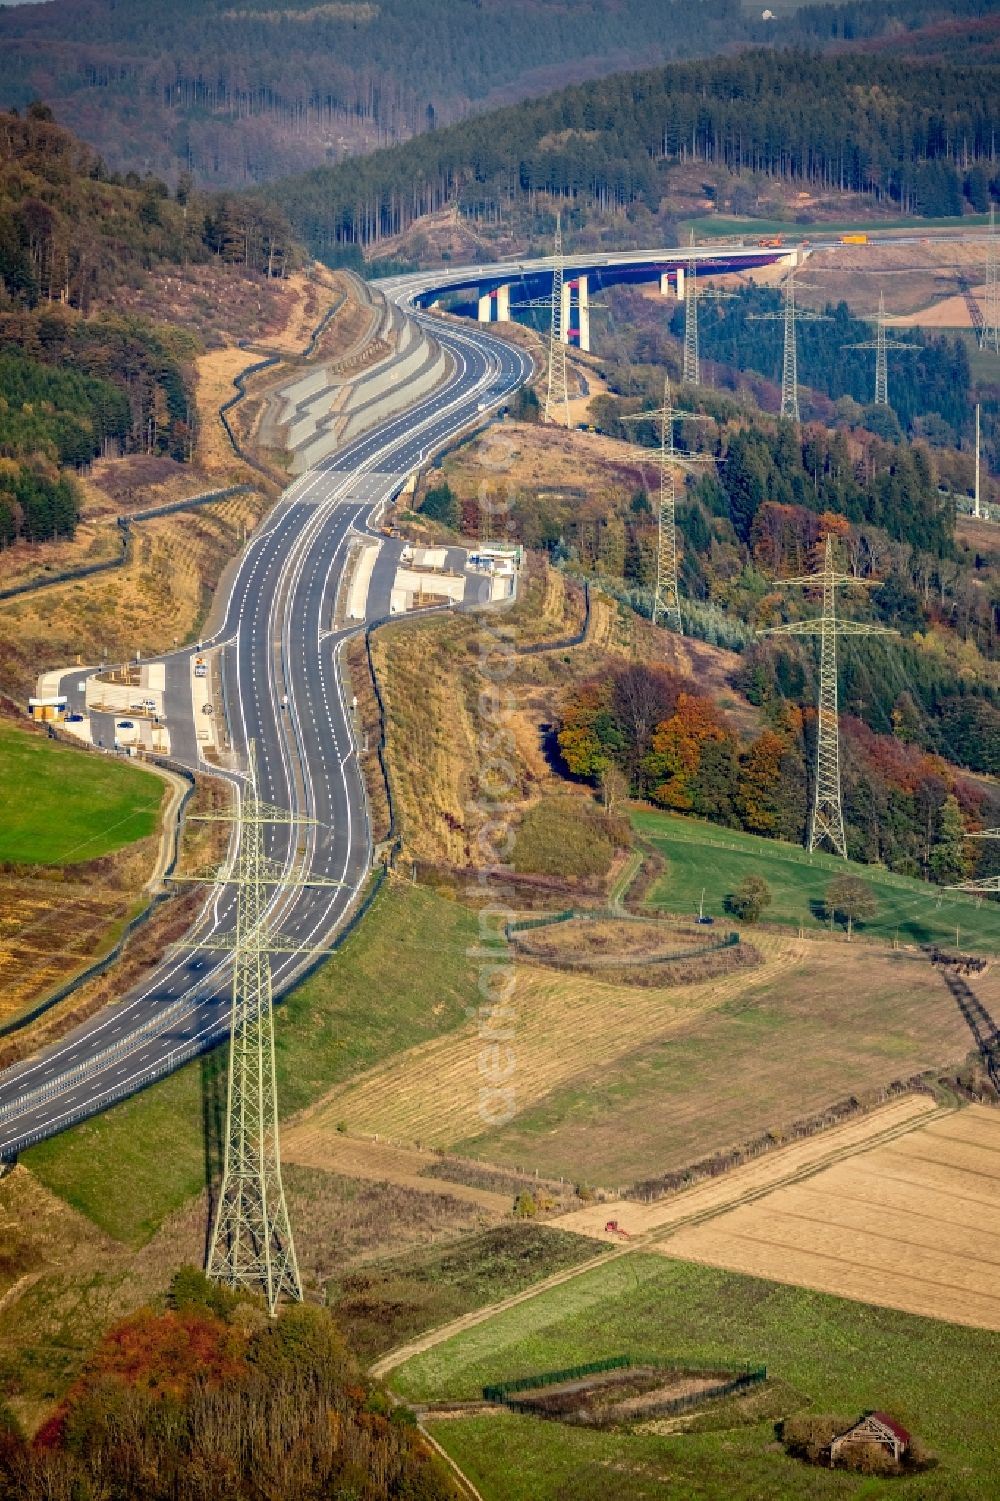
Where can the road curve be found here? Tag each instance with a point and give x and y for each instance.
(276, 644)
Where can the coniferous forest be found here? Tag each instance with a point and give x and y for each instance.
(242, 91)
(904, 134)
(79, 378)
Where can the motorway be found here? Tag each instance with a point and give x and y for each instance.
(276, 643)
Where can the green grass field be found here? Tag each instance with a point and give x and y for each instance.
(712, 226)
(701, 855)
(387, 1302)
(62, 807)
(823, 1354)
(400, 978)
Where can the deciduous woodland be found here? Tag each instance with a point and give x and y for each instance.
(211, 1399)
(904, 807)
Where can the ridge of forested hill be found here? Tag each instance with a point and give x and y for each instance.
(81, 374)
(878, 125)
(239, 91)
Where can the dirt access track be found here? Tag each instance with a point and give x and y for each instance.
(694, 1225)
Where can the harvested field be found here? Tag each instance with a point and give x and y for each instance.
(566, 1029)
(784, 1164)
(912, 1224)
(777, 1045)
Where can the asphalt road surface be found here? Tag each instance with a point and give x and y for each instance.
(276, 644)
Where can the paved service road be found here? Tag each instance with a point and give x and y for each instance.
(276, 644)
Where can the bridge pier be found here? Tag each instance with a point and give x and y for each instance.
(503, 304)
(583, 311)
(485, 314)
(664, 283)
(565, 310)
(680, 283)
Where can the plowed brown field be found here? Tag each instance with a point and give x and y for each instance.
(913, 1223)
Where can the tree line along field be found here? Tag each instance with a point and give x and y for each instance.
(701, 856)
(64, 808)
(823, 1354)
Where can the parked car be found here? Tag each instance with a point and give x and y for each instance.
(124, 724)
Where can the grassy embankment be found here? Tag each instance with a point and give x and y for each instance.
(155, 1147)
(823, 1354)
(701, 855)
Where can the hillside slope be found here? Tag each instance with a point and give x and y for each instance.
(610, 146)
(239, 91)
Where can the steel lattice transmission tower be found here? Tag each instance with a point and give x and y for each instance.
(881, 343)
(557, 391)
(984, 885)
(692, 360)
(826, 821)
(791, 316)
(252, 1244)
(666, 599)
(790, 360)
(989, 334)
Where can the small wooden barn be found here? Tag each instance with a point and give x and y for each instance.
(874, 1428)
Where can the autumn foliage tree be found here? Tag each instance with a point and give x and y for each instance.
(657, 737)
(678, 748)
(215, 1399)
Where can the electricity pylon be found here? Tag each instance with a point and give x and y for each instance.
(666, 599)
(989, 334)
(790, 361)
(791, 317)
(827, 818)
(983, 886)
(252, 1244)
(557, 391)
(881, 344)
(692, 360)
